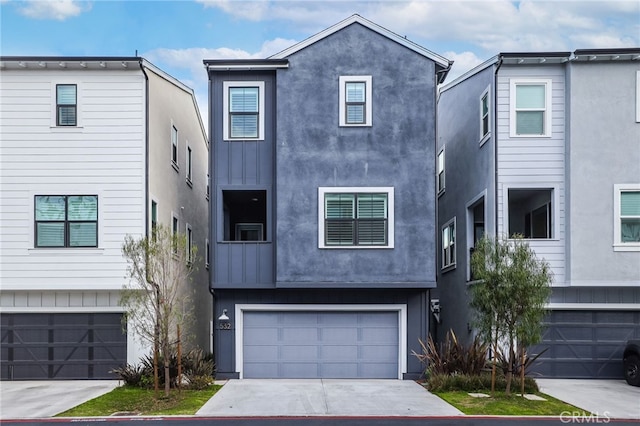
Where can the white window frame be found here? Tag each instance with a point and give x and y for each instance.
(443, 250)
(368, 114)
(637, 96)
(555, 208)
(174, 131)
(618, 245)
(189, 242)
(54, 106)
(189, 165)
(389, 190)
(485, 136)
(548, 112)
(441, 182)
(226, 131)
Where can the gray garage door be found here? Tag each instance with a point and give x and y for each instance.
(61, 346)
(586, 344)
(321, 345)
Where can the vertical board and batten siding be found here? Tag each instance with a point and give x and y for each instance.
(534, 162)
(104, 156)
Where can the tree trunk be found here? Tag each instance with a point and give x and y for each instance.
(493, 366)
(510, 366)
(167, 373)
(522, 373)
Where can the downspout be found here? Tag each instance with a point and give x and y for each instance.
(495, 146)
(146, 148)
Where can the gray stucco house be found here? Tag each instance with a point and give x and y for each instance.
(323, 206)
(547, 145)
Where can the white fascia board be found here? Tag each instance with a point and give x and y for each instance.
(440, 60)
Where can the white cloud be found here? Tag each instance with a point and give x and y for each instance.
(53, 9)
(462, 62)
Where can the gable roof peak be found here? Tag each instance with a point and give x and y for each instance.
(355, 18)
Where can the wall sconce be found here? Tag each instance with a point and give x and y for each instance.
(224, 316)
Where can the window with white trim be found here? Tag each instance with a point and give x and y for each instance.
(356, 217)
(189, 166)
(627, 217)
(449, 244)
(174, 231)
(485, 115)
(66, 221)
(355, 100)
(440, 176)
(174, 147)
(243, 110)
(530, 111)
(66, 105)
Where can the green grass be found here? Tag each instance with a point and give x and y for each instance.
(143, 401)
(503, 405)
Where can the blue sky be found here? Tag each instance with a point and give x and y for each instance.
(177, 35)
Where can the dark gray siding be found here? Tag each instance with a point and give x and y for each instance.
(241, 165)
(469, 170)
(417, 302)
(398, 151)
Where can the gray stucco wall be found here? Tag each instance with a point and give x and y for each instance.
(602, 151)
(469, 171)
(398, 151)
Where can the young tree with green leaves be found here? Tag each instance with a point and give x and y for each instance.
(157, 296)
(510, 294)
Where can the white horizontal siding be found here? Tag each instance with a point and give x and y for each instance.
(534, 162)
(104, 156)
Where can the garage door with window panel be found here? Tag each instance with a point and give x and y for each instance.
(586, 344)
(39, 346)
(324, 344)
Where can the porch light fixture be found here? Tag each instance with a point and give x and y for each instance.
(224, 316)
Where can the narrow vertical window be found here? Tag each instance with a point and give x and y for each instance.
(189, 244)
(206, 253)
(154, 218)
(174, 146)
(189, 166)
(441, 172)
(484, 115)
(174, 232)
(208, 193)
(355, 101)
(449, 244)
(66, 105)
(630, 217)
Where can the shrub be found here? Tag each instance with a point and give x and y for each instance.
(200, 382)
(472, 383)
(130, 374)
(452, 357)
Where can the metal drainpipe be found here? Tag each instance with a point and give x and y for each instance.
(146, 147)
(495, 146)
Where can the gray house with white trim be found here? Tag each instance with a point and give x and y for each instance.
(546, 145)
(323, 214)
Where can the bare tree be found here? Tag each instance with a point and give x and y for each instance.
(510, 295)
(157, 296)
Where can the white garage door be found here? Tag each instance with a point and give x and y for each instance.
(320, 344)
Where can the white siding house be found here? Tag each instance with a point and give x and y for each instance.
(74, 181)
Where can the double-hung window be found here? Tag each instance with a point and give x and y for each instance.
(449, 244)
(627, 217)
(530, 113)
(355, 100)
(66, 221)
(66, 105)
(440, 176)
(174, 147)
(484, 115)
(243, 110)
(356, 217)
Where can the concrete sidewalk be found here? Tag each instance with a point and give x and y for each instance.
(604, 398)
(39, 399)
(325, 397)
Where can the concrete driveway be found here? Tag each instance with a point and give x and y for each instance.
(39, 399)
(325, 397)
(604, 398)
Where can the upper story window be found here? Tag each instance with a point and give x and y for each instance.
(530, 212)
(189, 245)
(174, 230)
(243, 110)
(626, 217)
(174, 147)
(356, 217)
(66, 105)
(440, 177)
(66, 221)
(530, 112)
(484, 115)
(449, 244)
(355, 101)
(189, 166)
